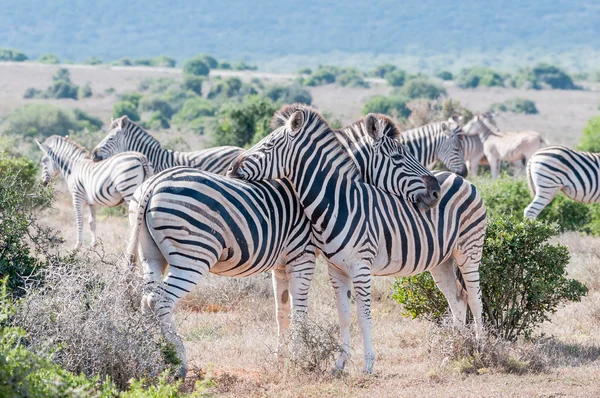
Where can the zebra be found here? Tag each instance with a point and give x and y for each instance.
(497, 146)
(558, 168)
(198, 222)
(107, 183)
(472, 152)
(437, 142)
(125, 135)
(363, 231)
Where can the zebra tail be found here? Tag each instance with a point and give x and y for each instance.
(134, 236)
(148, 169)
(529, 179)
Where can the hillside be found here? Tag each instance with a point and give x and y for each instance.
(269, 30)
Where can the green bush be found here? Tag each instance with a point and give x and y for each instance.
(396, 77)
(127, 108)
(193, 114)
(320, 76)
(123, 62)
(394, 105)
(544, 76)
(224, 65)
(516, 105)
(383, 70)
(196, 67)
(48, 59)
(134, 98)
(422, 88)
(445, 75)
(590, 141)
(156, 104)
(352, 77)
(93, 61)
(523, 279)
(208, 60)
(84, 91)
(304, 71)
(33, 93)
(243, 66)
(44, 120)
(62, 89)
(479, 76)
(224, 89)
(288, 94)
(164, 61)
(193, 83)
(238, 123)
(7, 54)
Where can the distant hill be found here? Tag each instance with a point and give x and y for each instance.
(270, 29)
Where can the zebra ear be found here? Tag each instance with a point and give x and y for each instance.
(41, 146)
(371, 123)
(123, 122)
(445, 129)
(296, 121)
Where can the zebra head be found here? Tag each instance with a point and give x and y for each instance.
(49, 167)
(393, 168)
(482, 124)
(450, 151)
(115, 141)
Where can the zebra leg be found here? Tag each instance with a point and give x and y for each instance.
(468, 258)
(362, 289)
(92, 223)
(300, 273)
(78, 204)
(446, 281)
(342, 287)
(494, 167)
(282, 303)
(154, 266)
(542, 198)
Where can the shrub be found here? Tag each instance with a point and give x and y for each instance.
(158, 85)
(93, 61)
(84, 91)
(516, 105)
(288, 94)
(224, 65)
(383, 70)
(230, 87)
(156, 104)
(193, 83)
(157, 121)
(523, 278)
(126, 108)
(239, 122)
(479, 76)
(48, 59)
(134, 98)
(25, 170)
(420, 297)
(544, 76)
(7, 54)
(62, 89)
(352, 77)
(394, 105)
(320, 76)
(123, 62)
(243, 66)
(445, 75)
(33, 93)
(304, 71)
(208, 60)
(164, 61)
(422, 88)
(396, 77)
(591, 136)
(196, 67)
(43, 120)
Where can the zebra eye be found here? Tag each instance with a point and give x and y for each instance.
(396, 157)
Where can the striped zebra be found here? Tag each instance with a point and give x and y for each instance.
(363, 231)
(472, 152)
(107, 183)
(125, 135)
(498, 146)
(198, 222)
(437, 142)
(557, 168)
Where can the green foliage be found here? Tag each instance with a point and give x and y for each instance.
(24, 169)
(394, 106)
(479, 76)
(304, 71)
(445, 75)
(157, 121)
(43, 120)
(156, 104)
(241, 65)
(193, 84)
(224, 65)
(590, 141)
(33, 93)
(61, 87)
(196, 66)
(48, 59)
(134, 98)
(352, 77)
(158, 85)
(288, 94)
(164, 61)
(383, 70)
(127, 108)
(523, 279)
(422, 88)
(194, 113)
(516, 105)
(320, 76)
(7, 54)
(93, 61)
(238, 123)
(544, 76)
(208, 60)
(224, 89)
(122, 62)
(84, 91)
(396, 77)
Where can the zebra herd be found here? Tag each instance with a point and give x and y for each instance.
(361, 196)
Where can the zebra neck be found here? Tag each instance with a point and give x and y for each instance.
(161, 158)
(424, 146)
(69, 163)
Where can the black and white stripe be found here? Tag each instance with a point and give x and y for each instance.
(125, 135)
(472, 152)
(437, 142)
(107, 183)
(556, 168)
(363, 230)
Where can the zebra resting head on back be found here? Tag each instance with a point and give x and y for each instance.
(435, 142)
(125, 135)
(365, 231)
(399, 172)
(107, 183)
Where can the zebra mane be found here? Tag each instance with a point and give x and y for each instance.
(281, 116)
(55, 141)
(357, 130)
(489, 124)
(135, 129)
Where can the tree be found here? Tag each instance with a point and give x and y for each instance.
(288, 94)
(590, 141)
(479, 76)
(193, 83)
(127, 108)
(396, 77)
(7, 54)
(208, 60)
(48, 59)
(422, 88)
(394, 106)
(383, 70)
(196, 67)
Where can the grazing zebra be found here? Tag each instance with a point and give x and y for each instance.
(556, 168)
(497, 146)
(106, 183)
(126, 135)
(437, 142)
(199, 222)
(363, 231)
